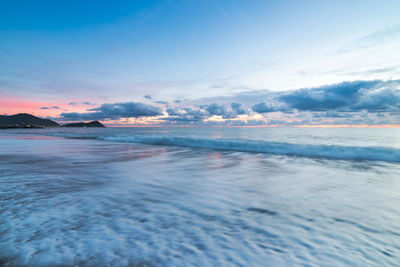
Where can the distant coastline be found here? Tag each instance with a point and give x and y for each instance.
(28, 121)
(84, 124)
(21, 127)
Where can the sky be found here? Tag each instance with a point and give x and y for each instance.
(231, 63)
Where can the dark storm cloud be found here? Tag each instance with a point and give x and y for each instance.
(148, 97)
(162, 102)
(115, 111)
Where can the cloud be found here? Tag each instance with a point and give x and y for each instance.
(244, 98)
(185, 115)
(372, 96)
(215, 109)
(378, 100)
(346, 102)
(52, 107)
(237, 107)
(387, 34)
(200, 114)
(162, 102)
(115, 111)
(225, 111)
(81, 103)
(263, 108)
(390, 33)
(194, 114)
(148, 97)
(333, 114)
(173, 112)
(351, 102)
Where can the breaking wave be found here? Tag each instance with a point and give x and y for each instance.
(277, 148)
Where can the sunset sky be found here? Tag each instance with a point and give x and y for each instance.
(235, 63)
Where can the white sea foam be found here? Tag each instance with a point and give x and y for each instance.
(346, 148)
(333, 152)
(72, 202)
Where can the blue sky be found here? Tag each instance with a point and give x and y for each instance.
(96, 53)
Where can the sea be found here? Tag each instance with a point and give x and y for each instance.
(198, 196)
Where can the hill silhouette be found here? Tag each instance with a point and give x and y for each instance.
(24, 120)
(83, 124)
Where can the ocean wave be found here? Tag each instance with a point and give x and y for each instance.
(370, 153)
(307, 150)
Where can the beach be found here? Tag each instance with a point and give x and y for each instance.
(100, 197)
